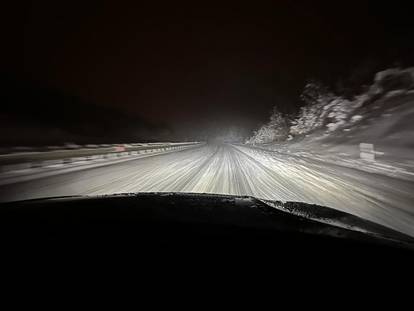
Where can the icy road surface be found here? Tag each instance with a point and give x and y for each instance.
(228, 169)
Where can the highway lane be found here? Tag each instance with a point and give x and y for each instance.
(239, 170)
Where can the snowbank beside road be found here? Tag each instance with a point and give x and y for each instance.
(331, 127)
(325, 113)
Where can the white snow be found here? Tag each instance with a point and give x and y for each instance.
(328, 113)
(356, 118)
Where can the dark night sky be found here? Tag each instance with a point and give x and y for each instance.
(198, 67)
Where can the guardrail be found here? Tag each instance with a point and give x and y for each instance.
(37, 159)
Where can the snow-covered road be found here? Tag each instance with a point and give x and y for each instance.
(229, 169)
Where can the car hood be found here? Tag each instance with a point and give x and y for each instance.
(243, 211)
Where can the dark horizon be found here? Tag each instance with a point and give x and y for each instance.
(185, 72)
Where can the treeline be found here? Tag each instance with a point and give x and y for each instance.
(329, 110)
(32, 115)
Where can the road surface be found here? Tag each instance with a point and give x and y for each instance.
(229, 169)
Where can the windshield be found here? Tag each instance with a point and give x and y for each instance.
(290, 101)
